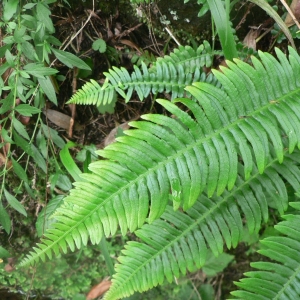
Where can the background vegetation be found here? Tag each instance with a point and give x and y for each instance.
(51, 49)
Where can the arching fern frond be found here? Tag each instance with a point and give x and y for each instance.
(185, 238)
(188, 154)
(93, 94)
(279, 279)
(190, 58)
(170, 74)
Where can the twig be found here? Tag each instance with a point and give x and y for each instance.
(78, 32)
(172, 36)
(290, 12)
(196, 291)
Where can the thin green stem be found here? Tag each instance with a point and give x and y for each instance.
(108, 260)
(224, 30)
(11, 115)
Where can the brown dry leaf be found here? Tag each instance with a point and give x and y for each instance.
(222, 63)
(295, 8)
(131, 45)
(58, 118)
(2, 159)
(250, 38)
(112, 135)
(98, 290)
(10, 266)
(24, 120)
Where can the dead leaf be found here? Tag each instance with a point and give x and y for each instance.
(2, 159)
(131, 45)
(111, 138)
(24, 120)
(58, 118)
(250, 38)
(98, 290)
(10, 266)
(295, 8)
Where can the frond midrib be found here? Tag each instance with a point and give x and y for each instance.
(163, 163)
(199, 221)
(151, 83)
(185, 61)
(288, 283)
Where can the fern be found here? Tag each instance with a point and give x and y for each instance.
(184, 239)
(184, 155)
(170, 74)
(278, 279)
(190, 58)
(92, 93)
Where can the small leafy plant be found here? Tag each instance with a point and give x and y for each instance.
(26, 84)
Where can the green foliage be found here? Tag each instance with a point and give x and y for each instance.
(223, 26)
(99, 45)
(146, 57)
(44, 220)
(27, 81)
(278, 279)
(204, 7)
(189, 240)
(62, 278)
(220, 10)
(225, 161)
(170, 74)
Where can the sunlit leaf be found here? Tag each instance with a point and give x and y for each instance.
(15, 203)
(27, 110)
(48, 88)
(70, 60)
(9, 9)
(18, 169)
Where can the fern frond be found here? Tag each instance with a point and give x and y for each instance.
(279, 279)
(185, 238)
(93, 94)
(170, 74)
(190, 58)
(183, 154)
